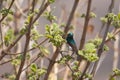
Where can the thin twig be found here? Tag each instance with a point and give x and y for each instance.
(67, 63)
(100, 49)
(3, 19)
(14, 66)
(82, 41)
(42, 4)
(86, 67)
(31, 62)
(20, 10)
(8, 53)
(7, 61)
(4, 52)
(29, 49)
(8, 10)
(114, 34)
(71, 17)
(51, 63)
(26, 44)
(37, 45)
(41, 11)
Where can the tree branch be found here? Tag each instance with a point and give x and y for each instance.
(13, 44)
(71, 17)
(82, 41)
(8, 10)
(100, 49)
(3, 17)
(51, 64)
(26, 44)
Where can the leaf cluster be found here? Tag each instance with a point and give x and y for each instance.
(35, 72)
(115, 19)
(54, 33)
(89, 51)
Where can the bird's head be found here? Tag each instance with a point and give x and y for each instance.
(70, 35)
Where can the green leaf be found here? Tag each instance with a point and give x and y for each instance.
(90, 47)
(76, 75)
(42, 71)
(35, 35)
(5, 12)
(118, 16)
(34, 45)
(51, 1)
(33, 77)
(83, 15)
(20, 56)
(33, 67)
(103, 19)
(15, 62)
(116, 71)
(89, 76)
(89, 52)
(49, 16)
(92, 15)
(9, 18)
(75, 66)
(54, 33)
(111, 36)
(49, 36)
(9, 37)
(28, 56)
(64, 59)
(23, 30)
(106, 48)
(44, 50)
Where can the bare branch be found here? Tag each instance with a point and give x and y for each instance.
(71, 17)
(82, 41)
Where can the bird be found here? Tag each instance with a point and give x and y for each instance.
(71, 42)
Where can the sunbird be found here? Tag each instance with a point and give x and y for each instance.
(71, 42)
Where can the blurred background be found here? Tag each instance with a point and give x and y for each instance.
(61, 9)
(100, 8)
